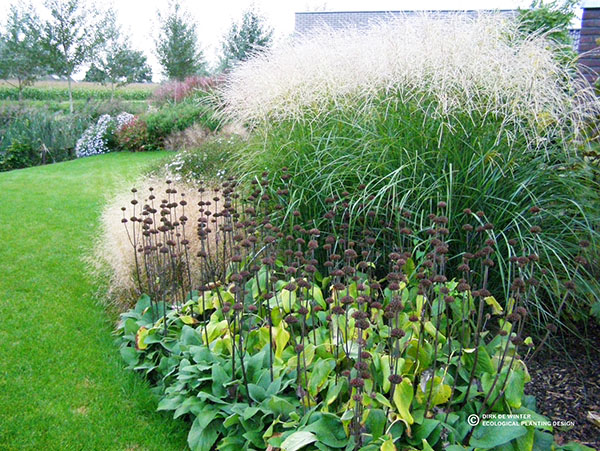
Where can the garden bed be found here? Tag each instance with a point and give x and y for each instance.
(566, 386)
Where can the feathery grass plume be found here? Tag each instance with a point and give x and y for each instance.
(113, 255)
(480, 64)
(403, 111)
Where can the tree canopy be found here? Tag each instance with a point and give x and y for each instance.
(71, 35)
(243, 38)
(22, 57)
(177, 46)
(115, 62)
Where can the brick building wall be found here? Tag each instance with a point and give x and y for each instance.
(308, 21)
(589, 48)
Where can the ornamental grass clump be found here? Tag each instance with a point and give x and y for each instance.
(112, 258)
(296, 337)
(403, 111)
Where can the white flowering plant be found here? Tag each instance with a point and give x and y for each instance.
(99, 137)
(123, 119)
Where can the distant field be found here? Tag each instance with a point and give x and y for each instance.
(58, 91)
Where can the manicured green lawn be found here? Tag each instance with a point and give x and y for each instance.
(62, 383)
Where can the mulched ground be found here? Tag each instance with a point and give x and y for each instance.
(566, 385)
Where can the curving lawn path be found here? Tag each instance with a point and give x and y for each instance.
(62, 383)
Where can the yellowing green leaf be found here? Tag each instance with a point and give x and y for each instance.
(141, 335)
(282, 337)
(288, 300)
(187, 319)
(388, 445)
(491, 300)
(440, 392)
(430, 329)
(385, 369)
(403, 396)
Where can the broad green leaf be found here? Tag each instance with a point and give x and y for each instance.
(130, 326)
(375, 422)
(187, 319)
(256, 392)
(318, 375)
(403, 396)
(280, 406)
(484, 362)
(317, 295)
(440, 392)
(329, 429)
(214, 329)
(219, 379)
(307, 356)
(333, 392)
(431, 330)
(385, 370)
(170, 403)
(542, 441)
(298, 440)
(191, 404)
(202, 437)
(515, 388)
(250, 412)
(491, 436)
(288, 300)
(383, 400)
(424, 430)
(130, 355)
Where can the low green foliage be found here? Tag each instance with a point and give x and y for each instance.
(19, 155)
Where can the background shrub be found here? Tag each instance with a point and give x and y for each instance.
(176, 117)
(133, 135)
(176, 91)
(44, 131)
(404, 115)
(19, 155)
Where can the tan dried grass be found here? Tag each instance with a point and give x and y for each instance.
(113, 258)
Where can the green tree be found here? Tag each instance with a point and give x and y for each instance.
(72, 33)
(550, 18)
(244, 38)
(177, 46)
(115, 62)
(21, 53)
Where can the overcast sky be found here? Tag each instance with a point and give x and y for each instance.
(139, 17)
